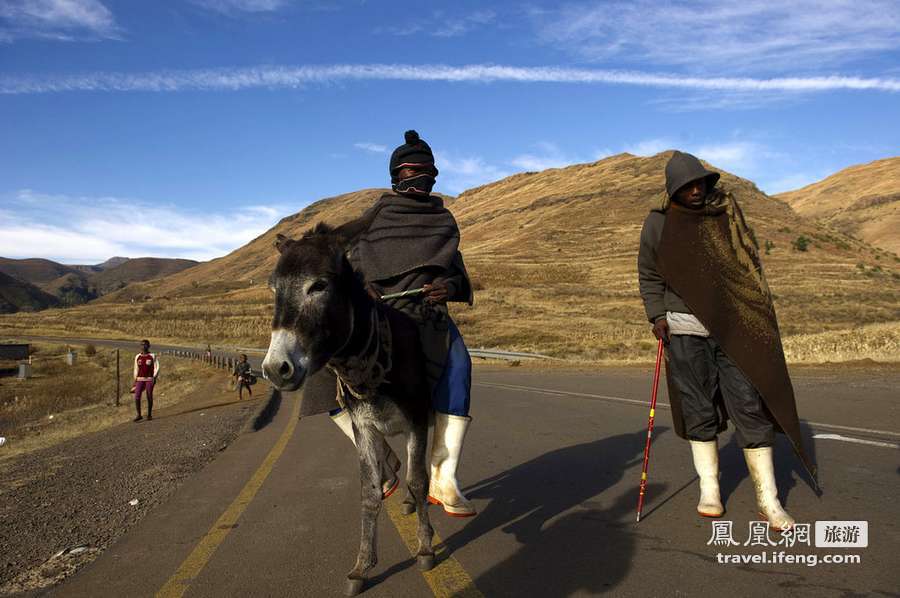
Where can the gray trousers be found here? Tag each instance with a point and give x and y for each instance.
(700, 369)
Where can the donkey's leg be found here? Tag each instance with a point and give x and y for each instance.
(417, 479)
(369, 443)
(409, 501)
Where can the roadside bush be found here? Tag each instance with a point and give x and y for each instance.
(801, 243)
(90, 350)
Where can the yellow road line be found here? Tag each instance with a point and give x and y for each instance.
(448, 578)
(194, 563)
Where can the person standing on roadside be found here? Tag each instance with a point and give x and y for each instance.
(243, 376)
(705, 293)
(146, 370)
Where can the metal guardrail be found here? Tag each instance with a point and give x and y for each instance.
(216, 360)
(508, 355)
(477, 353)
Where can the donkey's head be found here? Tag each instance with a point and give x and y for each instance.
(314, 288)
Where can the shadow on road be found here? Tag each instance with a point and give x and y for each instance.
(571, 539)
(265, 417)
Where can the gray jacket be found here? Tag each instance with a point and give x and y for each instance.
(657, 295)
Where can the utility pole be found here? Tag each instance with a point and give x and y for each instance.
(118, 388)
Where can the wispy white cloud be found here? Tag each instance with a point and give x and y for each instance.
(450, 26)
(230, 7)
(440, 23)
(741, 157)
(458, 173)
(772, 170)
(704, 35)
(77, 229)
(548, 155)
(275, 77)
(62, 20)
(650, 147)
(375, 148)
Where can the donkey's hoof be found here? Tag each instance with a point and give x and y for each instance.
(426, 562)
(407, 509)
(354, 587)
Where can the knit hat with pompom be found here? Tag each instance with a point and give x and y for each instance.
(415, 152)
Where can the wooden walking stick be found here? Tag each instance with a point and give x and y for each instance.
(640, 507)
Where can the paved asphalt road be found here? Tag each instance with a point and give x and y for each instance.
(552, 463)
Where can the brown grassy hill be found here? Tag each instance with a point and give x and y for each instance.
(863, 201)
(74, 285)
(71, 285)
(553, 258)
(36, 271)
(71, 289)
(138, 269)
(16, 295)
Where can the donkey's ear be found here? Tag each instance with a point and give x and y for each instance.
(281, 242)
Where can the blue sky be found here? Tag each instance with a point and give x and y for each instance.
(185, 128)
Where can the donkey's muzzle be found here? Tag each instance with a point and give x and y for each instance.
(285, 376)
(284, 365)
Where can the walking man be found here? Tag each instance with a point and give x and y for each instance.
(242, 376)
(705, 293)
(146, 370)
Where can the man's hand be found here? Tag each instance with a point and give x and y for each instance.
(437, 291)
(661, 330)
(373, 293)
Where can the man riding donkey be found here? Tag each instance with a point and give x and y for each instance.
(411, 248)
(704, 290)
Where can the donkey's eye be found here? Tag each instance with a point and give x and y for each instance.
(317, 287)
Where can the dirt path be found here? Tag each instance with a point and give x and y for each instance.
(61, 506)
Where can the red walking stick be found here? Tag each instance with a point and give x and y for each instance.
(640, 507)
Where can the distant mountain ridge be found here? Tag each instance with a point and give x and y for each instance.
(70, 285)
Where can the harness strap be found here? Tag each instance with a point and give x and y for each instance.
(360, 375)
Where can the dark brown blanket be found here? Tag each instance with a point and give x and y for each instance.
(709, 258)
(407, 234)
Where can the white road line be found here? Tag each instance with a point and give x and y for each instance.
(856, 440)
(553, 391)
(557, 392)
(852, 429)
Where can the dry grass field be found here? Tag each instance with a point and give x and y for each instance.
(61, 401)
(553, 259)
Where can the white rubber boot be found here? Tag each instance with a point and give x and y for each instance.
(762, 470)
(389, 479)
(706, 462)
(443, 489)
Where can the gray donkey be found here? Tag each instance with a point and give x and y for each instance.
(324, 317)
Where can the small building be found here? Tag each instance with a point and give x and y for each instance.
(13, 351)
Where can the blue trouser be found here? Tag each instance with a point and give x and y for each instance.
(454, 388)
(451, 395)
